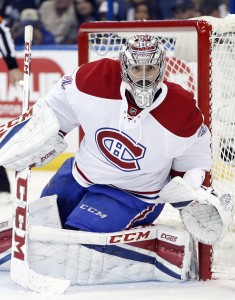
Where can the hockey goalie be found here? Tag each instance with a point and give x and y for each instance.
(145, 145)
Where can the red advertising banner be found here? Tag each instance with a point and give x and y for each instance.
(45, 73)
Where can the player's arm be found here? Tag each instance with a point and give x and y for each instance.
(196, 158)
(37, 137)
(7, 49)
(7, 46)
(61, 98)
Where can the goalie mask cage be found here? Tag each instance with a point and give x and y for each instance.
(200, 57)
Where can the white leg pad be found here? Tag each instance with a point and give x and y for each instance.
(44, 211)
(5, 244)
(155, 252)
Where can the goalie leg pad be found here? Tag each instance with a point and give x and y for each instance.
(62, 182)
(155, 252)
(5, 244)
(101, 258)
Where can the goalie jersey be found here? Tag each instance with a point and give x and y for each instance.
(124, 146)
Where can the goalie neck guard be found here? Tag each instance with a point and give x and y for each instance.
(142, 68)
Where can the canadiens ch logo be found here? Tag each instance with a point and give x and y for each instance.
(66, 79)
(119, 149)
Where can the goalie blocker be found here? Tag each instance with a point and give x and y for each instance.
(32, 139)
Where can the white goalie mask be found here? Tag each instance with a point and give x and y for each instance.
(142, 62)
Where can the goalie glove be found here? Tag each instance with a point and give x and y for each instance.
(206, 217)
(31, 139)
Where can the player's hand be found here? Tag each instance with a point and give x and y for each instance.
(15, 76)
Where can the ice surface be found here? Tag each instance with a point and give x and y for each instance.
(209, 290)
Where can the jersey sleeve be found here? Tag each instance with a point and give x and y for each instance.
(60, 99)
(7, 46)
(197, 153)
(178, 113)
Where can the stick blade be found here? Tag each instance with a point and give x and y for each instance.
(22, 274)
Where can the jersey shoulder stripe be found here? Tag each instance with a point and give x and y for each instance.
(178, 113)
(100, 79)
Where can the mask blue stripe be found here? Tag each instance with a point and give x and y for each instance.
(12, 132)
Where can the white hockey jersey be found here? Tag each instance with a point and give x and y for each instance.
(124, 146)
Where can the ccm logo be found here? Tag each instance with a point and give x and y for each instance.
(16, 121)
(169, 237)
(93, 211)
(27, 58)
(20, 220)
(129, 237)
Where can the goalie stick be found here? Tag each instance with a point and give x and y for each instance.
(21, 272)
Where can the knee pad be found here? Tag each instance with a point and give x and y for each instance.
(69, 192)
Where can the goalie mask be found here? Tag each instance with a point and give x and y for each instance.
(142, 68)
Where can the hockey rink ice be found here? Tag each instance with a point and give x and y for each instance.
(193, 290)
